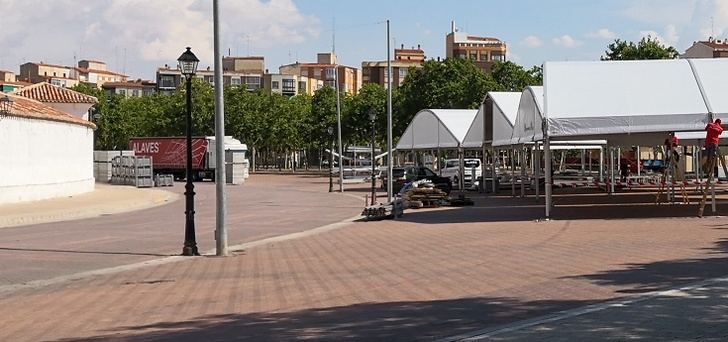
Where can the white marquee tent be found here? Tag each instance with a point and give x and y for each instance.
(625, 101)
(494, 121)
(437, 128)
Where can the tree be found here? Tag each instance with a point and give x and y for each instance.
(513, 77)
(453, 83)
(647, 48)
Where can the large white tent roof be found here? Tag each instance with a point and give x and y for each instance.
(504, 109)
(437, 128)
(623, 101)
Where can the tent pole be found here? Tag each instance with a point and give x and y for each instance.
(523, 171)
(537, 168)
(461, 162)
(639, 162)
(512, 160)
(583, 162)
(591, 152)
(439, 162)
(611, 170)
(482, 168)
(547, 170)
(601, 164)
(493, 169)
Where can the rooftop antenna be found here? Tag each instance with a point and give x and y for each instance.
(248, 36)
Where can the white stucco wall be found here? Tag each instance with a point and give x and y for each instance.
(77, 109)
(44, 159)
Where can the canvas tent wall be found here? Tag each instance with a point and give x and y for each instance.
(437, 128)
(628, 99)
(494, 120)
(527, 126)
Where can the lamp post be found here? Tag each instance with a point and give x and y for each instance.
(188, 65)
(6, 103)
(331, 158)
(372, 118)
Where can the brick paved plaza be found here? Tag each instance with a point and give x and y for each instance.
(435, 273)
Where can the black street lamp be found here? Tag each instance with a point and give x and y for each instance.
(188, 65)
(331, 158)
(373, 118)
(6, 103)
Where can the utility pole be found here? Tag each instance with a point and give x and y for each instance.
(220, 212)
(389, 120)
(338, 110)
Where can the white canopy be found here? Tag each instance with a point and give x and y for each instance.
(527, 127)
(494, 121)
(625, 97)
(437, 128)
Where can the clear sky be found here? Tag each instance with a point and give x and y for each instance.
(137, 36)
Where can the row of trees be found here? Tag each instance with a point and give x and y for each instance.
(276, 125)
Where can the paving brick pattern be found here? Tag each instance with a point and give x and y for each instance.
(414, 279)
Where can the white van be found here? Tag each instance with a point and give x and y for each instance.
(451, 169)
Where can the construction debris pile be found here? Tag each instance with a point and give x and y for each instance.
(423, 194)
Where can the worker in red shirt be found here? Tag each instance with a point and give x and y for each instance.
(712, 137)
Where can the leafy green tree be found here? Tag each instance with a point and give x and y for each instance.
(453, 83)
(647, 48)
(513, 77)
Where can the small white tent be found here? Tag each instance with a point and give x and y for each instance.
(494, 121)
(437, 128)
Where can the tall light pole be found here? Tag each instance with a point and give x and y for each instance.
(373, 118)
(331, 158)
(188, 65)
(221, 245)
(389, 120)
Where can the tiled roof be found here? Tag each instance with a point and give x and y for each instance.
(86, 71)
(716, 46)
(129, 84)
(46, 92)
(27, 108)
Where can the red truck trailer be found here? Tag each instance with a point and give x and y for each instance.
(169, 154)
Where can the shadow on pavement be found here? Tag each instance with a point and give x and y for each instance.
(567, 206)
(662, 275)
(79, 252)
(396, 321)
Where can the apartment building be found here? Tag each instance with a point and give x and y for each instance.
(404, 60)
(325, 69)
(712, 48)
(58, 75)
(95, 72)
(137, 88)
(290, 85)
(9, 82)
(483, 51)
(237, 71)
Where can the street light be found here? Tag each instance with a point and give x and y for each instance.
(331, 158)
(6, 104)
(188, 65)
(373, 118)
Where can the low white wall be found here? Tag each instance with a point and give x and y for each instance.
(44, 159)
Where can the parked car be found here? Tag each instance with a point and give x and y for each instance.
(406, 174)
(451, 169)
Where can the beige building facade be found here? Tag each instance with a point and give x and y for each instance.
(404, 61)
(325, 69)
(483, 51)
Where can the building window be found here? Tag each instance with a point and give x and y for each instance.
(483, 57)
(274, 85)
(301, 85)
(330, 83)
(402, 73)
(167, 81)
(473, 56)
(252, 83)
(57, 83)
(289, 85)
(498, 57)
(235, 81)
(135, 92)
(54, 73)
(148, 92)
(64, 75)
(45, 73)
(330, 73)
(122, 92)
